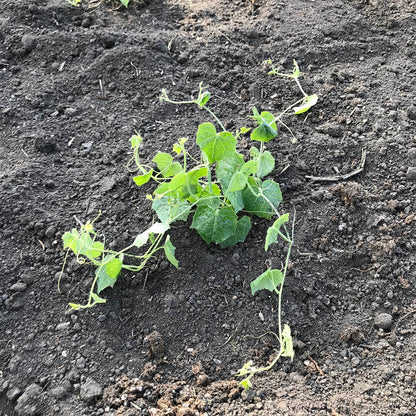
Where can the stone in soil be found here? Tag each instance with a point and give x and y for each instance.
(383, 321)
(90, 391)
(28, 404)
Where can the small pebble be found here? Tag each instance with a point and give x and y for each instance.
(62, 326)
(383, 321)
(29, 42)
(411, 174)
(90, 391)
(18, 287)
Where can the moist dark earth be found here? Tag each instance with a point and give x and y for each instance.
(77, 82)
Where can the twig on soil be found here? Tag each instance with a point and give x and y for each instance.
(316, 366)
(24, 153)
(137, 69)
(401, 397)
(42, 245)
(304, 254)
(230, 337)
(336, 178)
(402, 318)
(171, 42)
(226, 37)
(145, 280)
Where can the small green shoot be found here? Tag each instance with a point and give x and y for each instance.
(273, 281)
(83, 242)
(307, 101)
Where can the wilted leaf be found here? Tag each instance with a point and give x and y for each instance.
(307, 103)
(269, 280)
(157, 228)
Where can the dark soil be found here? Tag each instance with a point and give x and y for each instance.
(75, 85)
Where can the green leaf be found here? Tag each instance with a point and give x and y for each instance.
(239, 179)
(225, 170)
(274, 231)
(83, 244)
(168, 209)
(203, 98)
(269, 280)
(187, 183)
(214, 223)
(163, 160)
(249, 168)
(196, 173)
(287, 343)
(162, 189)
(142, 179)
(247, 368)
(307, 103)
(177, 148)
(75, 306)
(156, 228)
(246, 383)
(265, 161)
(69, 238)
(97, 299)
(254, 153)
(241, 231)
(265, 164)
(103, 279)
(125, 3)
(179, 181)
(166, 166)
(256, 203)
(206, 193)
(266, 129)
(237, 183)
(243, 130)
(96, 249)
(296, 70)
(136, 140)
(216, 146)
(170, 252)
(113, 267)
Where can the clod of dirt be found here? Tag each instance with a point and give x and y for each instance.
(155, 345)
(174, 398)
(411, 112)
(349, 192)
(29, 42)
(352, 334)
(332, 129)
(149, 370)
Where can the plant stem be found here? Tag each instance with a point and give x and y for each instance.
(215, 117)
(300, 87)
